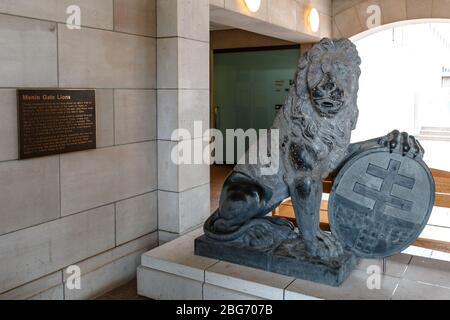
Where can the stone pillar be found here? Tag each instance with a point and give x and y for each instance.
(183, 98)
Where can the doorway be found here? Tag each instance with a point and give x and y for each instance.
(250, 86)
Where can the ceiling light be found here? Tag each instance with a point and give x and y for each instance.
(253, 5)
(314, 20)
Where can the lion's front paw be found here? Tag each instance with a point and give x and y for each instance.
(325, 246)
(402, 143)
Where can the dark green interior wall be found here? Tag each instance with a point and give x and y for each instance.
(249, 85)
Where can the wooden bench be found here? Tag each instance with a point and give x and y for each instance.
(442, 179)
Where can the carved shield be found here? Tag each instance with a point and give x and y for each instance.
(380, 203)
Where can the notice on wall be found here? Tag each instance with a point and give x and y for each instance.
(55, 121)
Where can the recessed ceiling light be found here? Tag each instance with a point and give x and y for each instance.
(314, 20)
(253, 5)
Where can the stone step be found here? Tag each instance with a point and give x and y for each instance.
(435, 133)
(435, 129)
(433, 138)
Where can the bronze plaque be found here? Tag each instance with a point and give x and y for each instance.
(55, 121)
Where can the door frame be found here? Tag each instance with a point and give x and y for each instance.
(236, 50)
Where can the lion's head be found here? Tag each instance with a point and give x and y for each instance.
(321, 110)
(329, 74)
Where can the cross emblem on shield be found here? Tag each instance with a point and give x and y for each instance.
(384, 197)
(380, 203)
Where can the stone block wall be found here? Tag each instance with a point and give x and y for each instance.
(183, 98)
(95, 209)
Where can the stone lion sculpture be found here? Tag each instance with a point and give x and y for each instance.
(315, 126)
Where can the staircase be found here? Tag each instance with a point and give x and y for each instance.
(434, 134)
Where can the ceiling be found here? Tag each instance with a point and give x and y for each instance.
(217, 26)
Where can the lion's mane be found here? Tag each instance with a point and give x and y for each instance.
(300, 121)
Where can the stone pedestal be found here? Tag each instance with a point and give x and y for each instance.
(173, 271)
(288, 258)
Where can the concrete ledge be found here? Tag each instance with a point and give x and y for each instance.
(172, 271)
(159, 285)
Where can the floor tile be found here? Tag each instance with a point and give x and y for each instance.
(396, 265)
(430, 271)
(355, 288)
(412, 290)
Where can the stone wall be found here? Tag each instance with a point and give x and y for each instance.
(96, 209)
(183, 98)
